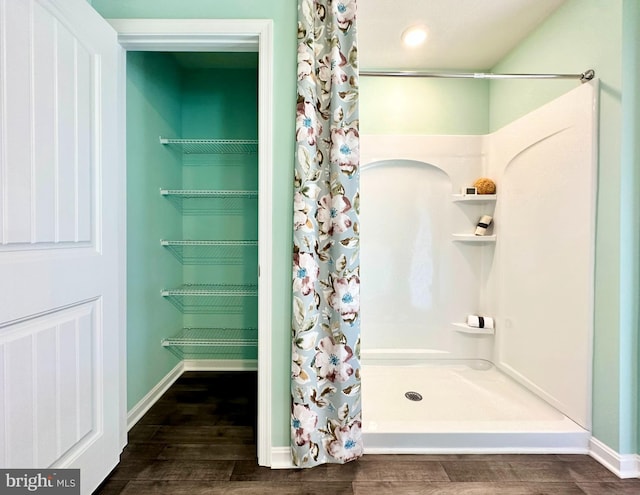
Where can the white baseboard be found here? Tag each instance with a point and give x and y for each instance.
(139, 410)
(281, 458)
(622, 465)
(220, 364)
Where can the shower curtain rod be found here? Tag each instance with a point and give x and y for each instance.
(583, 77)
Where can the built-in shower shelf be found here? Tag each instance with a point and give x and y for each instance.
(213, 146)
(191, 252)
(464, 328)
(212, 298)
(477, 198)
(473, 238)
(203, 201)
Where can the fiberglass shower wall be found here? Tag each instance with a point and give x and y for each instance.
(543, 275)
(412, 264)
(423, 270)
(192, 212)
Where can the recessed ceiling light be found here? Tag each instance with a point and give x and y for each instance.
(414, 36)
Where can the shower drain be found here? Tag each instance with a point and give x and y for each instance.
(414, 396)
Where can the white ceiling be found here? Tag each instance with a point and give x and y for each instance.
(462, 34)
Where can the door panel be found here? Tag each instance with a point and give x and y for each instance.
(61, 271)
(50, 108)
(49, 400)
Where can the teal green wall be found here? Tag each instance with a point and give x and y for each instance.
(585, 34)
(394, 105)
(284, 16)
(153, 109)
(580, 35)
(222, 104)
(630, 206)
(230, 112)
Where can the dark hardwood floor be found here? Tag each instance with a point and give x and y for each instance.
(199, 438)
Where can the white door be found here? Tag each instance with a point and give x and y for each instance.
(61, 264)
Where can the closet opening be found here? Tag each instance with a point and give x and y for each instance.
(197, 39)
(192, 217)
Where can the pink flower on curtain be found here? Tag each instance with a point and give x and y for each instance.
(330, 68)
(345, 149)
(307, 126)
(303, 422)
(345, 298)
(332, 361)
(332, 214)
(347, 441)
(345, 12)
(305, 273)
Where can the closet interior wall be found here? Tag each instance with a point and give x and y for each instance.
(191, 212)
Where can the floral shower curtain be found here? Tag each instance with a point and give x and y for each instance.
(325, 385)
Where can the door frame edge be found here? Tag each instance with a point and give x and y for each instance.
(187, 35)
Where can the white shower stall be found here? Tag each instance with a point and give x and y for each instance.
(524, 385)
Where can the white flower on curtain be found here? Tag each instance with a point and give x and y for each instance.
(326, 424)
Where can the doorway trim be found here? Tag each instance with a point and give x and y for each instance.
(230, 35)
